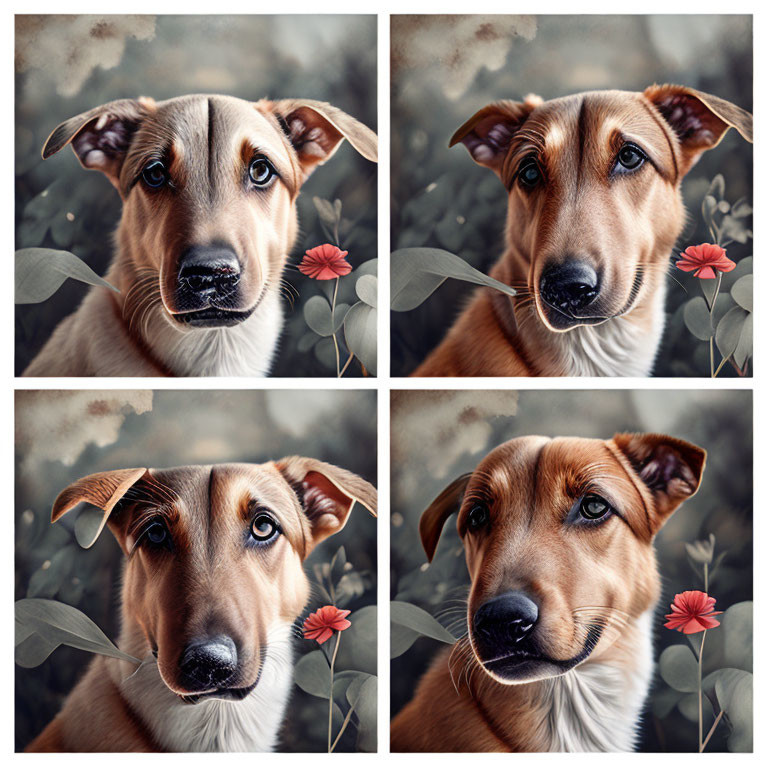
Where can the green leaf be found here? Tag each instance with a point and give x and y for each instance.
(367, 290)
(45, 581)
(737, 629)
(744, 348)
(40, 272)
(415, 618)
(689, 708)
(418, 272)
(741, 208)
(679, 668)
(401, 639)
(742, 292)
(360, 334)
(312, 673)
(362, 694)
(664, 701)
(359, 642)
(47, 624)
(729, 330)
(734, 694)
(708, 206)
(317, 313)
(697, 319)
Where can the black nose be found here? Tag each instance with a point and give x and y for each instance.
(208, 663)
(503, 624)
(569, 287)
(209, 271)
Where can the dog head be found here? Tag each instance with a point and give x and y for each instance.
(209, 187)
(593, 180)
(558, 536)
(214, 558)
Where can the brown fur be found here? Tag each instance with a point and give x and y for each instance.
(206, 143)
(624, 226)
(209, 583)
(528, 485)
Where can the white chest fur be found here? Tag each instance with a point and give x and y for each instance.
(596, 707)
(250, 725)
(618, 347)
(246, 349)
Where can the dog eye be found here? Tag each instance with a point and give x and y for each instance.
(154, 174)
(630, 158)
(261, 171)
(264, 528)
(156, 535)
(478, 516)
(594, 507)
(529, 174)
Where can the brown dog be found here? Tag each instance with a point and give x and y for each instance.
(211, 587)
(209, 187)
(558, 536)
(594, 210)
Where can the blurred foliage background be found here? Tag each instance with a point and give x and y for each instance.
(62, 436)
(437, 436)
(68, 64)
(445, 68)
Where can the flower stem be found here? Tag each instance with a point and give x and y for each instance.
(706, 575)
(346, 365)
(333, 321)
(712, 372)
(701, 708)
(343, 728)
(712, 729)
(330, 692)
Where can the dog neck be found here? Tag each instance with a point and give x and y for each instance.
(621, 346)
(246, 349)
(250, 725)
(594, 707)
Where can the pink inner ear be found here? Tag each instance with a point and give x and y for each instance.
(663, 466)
(687, 116)
(107, 138)
(322, 497)
(488, 139)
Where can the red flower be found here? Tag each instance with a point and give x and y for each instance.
(324, 262)
(692, 612)
(705, 261)
(321, 624)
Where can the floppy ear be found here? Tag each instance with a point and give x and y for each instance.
(101, 137)
(699, 119)
(316, 129)
(434, 516)
(488, 133)
(327, 493)
(670, 470)
(102, 490)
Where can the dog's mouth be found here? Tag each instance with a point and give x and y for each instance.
(212, 317)
(525, 664)
(224, 694)
(564, 320)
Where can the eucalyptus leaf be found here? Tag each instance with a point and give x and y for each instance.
(734, 693)
(738, 636)
(743, 350)
(417, 619)
(360, 334)
(697, 318)
(47, 579)
(418, 272)
(742, 292)
(367, 290)
(401, 639)
(362, 694)
(40, 272)
(58, 624)
(717, 187)
(312, 674)
(679, 668)
(741, 208)
(708, 206)
(729, 330)
(317, 313)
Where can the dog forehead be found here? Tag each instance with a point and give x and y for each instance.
(510, 462)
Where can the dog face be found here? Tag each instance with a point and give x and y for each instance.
(209, 186)
(593, 181)
(214, 559)
(558, 539)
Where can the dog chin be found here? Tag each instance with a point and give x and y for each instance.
(516, 670)
(212, 317)
(559, 322)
